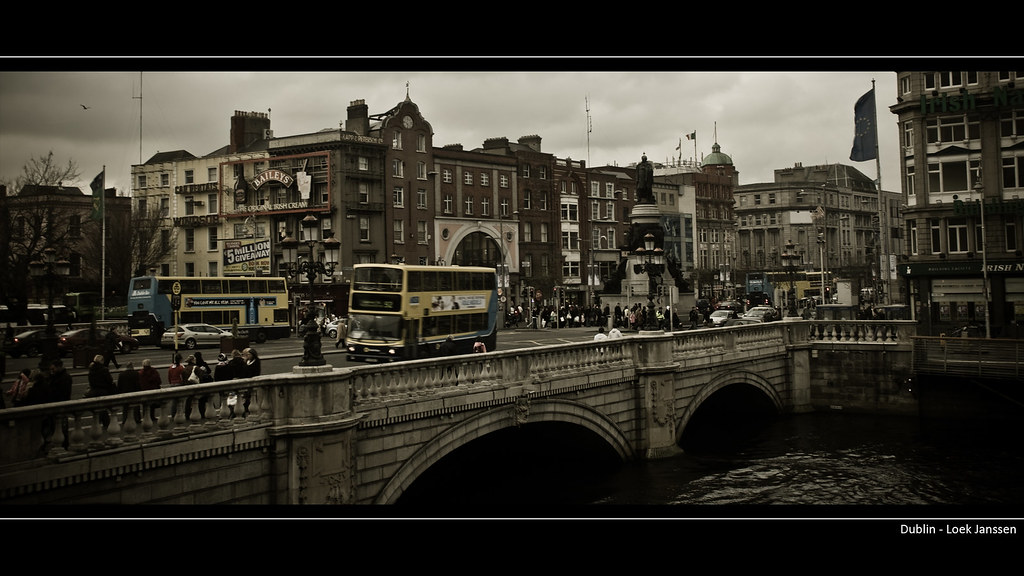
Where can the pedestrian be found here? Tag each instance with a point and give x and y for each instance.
(479, 347)
(39, 391)
(187, 370)
(252, 363)
(615, 333)
(128, 381)
(101, 383)
(694, 317)
(19, 389)
(237, 364)
(198, 357)
(149, 379)
(600, 334)
(448, 346)
(60, 391)
(110, 349)
(222, 371)
(342, 332)
(174, 379)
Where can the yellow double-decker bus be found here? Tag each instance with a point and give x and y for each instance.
(402, 312)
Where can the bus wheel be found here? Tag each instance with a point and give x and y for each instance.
(261, 336)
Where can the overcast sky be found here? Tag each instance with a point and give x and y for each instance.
(764, 120)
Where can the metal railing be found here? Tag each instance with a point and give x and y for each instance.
(984, 357)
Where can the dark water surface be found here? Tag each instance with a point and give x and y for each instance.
(786, 465)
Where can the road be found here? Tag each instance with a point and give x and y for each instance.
(281, 355)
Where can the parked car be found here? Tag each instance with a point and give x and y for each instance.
(331, 330)
(191, 336)
(762, 313)
(718, 317)
(72, 339)
(741, 321)
(28, 343)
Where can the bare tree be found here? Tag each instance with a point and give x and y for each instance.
(44, 171)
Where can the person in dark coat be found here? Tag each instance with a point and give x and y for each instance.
(222, 371)
(128, 381)
(149, 379)
(101, 383)
(60, 391)
(200, 362)
(448, 346)
(110, 349)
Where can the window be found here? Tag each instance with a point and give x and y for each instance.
(485, 180)
(595, 211)
(448, 203)
(190, 269)
(543, 201)
(570, 269)
(421, 170)
(905, 85)
(609, 190)
(165, 239)
(468, 210)
(165, 207)
(504, 207)
(526, 200)
(527, 232)
(1011, 124)
(397, 168)
(611, 238)
(757, 199)
(912, 236)
(190, 177)
(211, 234)
(595, 188)
(542, 171)
(544, 232)
(396, 141)
(421, 198)
(211, 174)
(211, 269)
(771, 198)
(142, 181)
(936, 236)
(446, 176)
(190, 240)
(467, 178)
(595, 238)
(1013, 171)
(211, 203)
(165, 180)
(526, 170)
(75, 225)
(956, 236)
(421, 143)
(421, 231)
(503, 181)
(364, 193)
(143, 208)
(398, 197)
(364, 229)
(364, 163)
(485, 206)
(399, 226)
(1010, 225)
(570, 212)
(609, 211)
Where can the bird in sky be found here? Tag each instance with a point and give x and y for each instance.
(84, 107)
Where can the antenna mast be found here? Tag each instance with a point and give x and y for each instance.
(589, 129)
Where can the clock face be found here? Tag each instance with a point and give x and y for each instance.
(407, 121)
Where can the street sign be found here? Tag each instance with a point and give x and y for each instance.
(176, 288)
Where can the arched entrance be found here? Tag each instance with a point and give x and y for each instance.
(477, 249)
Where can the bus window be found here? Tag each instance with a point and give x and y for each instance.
(277, 285)
(259, 286)
(415, 279)
(429, 281)
(142, 284)
(238, 286)
(444, 281)
(188, 286)
(211, 287)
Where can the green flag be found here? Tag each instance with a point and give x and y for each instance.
(97, 196)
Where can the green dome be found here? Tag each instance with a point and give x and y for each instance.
(716, 157)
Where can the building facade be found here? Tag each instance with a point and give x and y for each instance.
(962, 165)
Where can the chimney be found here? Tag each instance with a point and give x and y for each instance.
(532, 142)
(358, 118)
(247, 128)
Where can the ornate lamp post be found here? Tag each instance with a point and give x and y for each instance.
(311, 268)
(50, 272)
(789, 260)
(652, 264)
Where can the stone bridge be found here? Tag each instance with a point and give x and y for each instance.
(364, 435)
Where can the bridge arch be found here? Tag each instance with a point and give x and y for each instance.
(724, 380)
(480, 425)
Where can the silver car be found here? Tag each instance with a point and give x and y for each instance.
(191, 336)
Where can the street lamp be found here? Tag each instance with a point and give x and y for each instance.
(789, 260)
(652, 264)
(311, 268)
(50, 272)
(984, 257)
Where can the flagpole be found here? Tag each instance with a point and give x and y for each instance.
(103, 244)
(883, 220)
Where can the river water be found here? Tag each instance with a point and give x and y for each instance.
(803, 464)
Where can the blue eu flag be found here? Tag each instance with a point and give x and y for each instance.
(865, 136)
